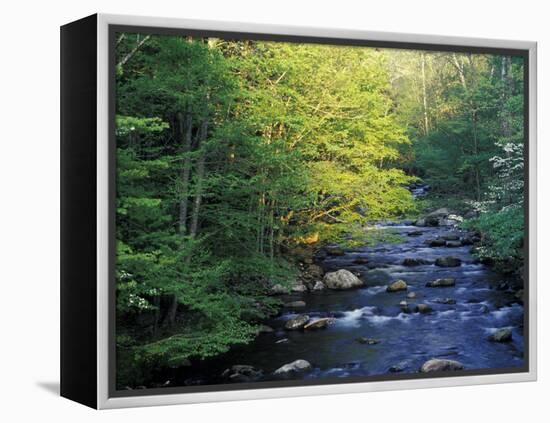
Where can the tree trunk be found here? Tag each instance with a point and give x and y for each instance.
(185, 127)
(506, 129)
(200, 177)
(156, 303)
(424, 97)
(272, 230)
(460, 68)
(172, 311)
(505, 124)
(126, 58)
(477, 173)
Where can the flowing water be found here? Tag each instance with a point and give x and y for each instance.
(406, 340)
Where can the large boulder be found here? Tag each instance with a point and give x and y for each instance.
(501, 335)
(242, 373)
(398, 285)
(293, 369)
(297, 323)
(319, 323)
(342, 279)
(441, 283)
(448, 262)
(453, 244)
(441, 365)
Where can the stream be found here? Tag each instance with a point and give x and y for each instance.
(481, 302)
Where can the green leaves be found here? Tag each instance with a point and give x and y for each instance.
(503, 235)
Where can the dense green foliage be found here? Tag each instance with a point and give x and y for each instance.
(465, 117)
(232, 155)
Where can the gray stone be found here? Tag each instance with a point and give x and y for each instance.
(441, 365)
(299, 288)
(319, 323)
(292, 369)
(319, 286)
(342, 279)
(279, 289)
(297, 323)
(242, 373)
(398, 285)
(441, 283)
(501, 335)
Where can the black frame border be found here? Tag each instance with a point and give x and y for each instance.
(78, 211)
(113, 29)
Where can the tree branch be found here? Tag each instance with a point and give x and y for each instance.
(134, 51)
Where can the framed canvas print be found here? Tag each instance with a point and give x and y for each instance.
(253, 211)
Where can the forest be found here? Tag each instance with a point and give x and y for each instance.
(239, 161)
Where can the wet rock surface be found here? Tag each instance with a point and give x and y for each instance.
(441, 365)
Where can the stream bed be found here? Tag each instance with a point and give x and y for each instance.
(462, 317)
